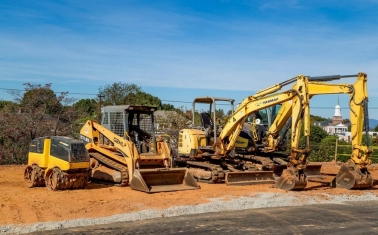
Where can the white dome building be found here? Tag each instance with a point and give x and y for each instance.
(336, 127)
(337, 118)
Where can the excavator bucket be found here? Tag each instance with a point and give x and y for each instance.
(249, 177)
(312, 171)
(163, 180)
(291, 179)
(351, 177)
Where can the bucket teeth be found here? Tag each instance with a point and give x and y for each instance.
(291, 179)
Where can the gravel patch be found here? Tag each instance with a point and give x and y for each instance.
(260, 200)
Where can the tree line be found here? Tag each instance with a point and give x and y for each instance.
(39, 111)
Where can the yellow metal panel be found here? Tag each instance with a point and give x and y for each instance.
(192, 139)
(79, 165)
(64, 165)
(38, 159)
(241, 142)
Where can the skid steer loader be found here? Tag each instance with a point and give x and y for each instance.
(58, 163)
(125, 151)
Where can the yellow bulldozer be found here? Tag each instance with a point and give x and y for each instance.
(58, 163)
(124, 150)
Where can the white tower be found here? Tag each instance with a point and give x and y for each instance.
(337, 118)
(337, 110)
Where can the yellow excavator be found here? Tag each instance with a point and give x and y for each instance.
(354, 173)
(214, 159)
(215, 166)
(58, 163)
(124, 151)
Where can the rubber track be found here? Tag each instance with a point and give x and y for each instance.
(114, 165)
(218, 172)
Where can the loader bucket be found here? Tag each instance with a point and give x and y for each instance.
(291, 179)
(163, 180)
(351, 177)
(249, 177)
(313, 171)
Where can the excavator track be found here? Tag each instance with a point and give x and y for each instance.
(114, 165)
(265, 162)
(217, 172)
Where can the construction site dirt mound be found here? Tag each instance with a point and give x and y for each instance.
(22, 205)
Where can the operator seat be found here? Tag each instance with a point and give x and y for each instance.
(206, 120)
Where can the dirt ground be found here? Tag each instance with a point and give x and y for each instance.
(22, 205)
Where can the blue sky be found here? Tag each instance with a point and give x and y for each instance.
(177, 50)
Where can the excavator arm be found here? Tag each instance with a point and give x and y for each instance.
(354, 173)
(296, 104)
(300, 114)
(230, 132)
(261, 100)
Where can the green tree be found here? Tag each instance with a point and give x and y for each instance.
(314, 118)
(116, 93)
(167, 107)
(324, 150)
(41, 98)
(4, 103)
(87, 107)
(317, 134)
(375, 128)
(8, 106)
(142, 98)
(219, 113)
(363, 140)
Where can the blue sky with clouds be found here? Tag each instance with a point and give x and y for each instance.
(177, 50)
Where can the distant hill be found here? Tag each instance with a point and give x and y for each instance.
(373, 123)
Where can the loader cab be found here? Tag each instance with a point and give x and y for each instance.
(133, 122)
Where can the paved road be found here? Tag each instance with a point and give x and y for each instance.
(350, 218)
